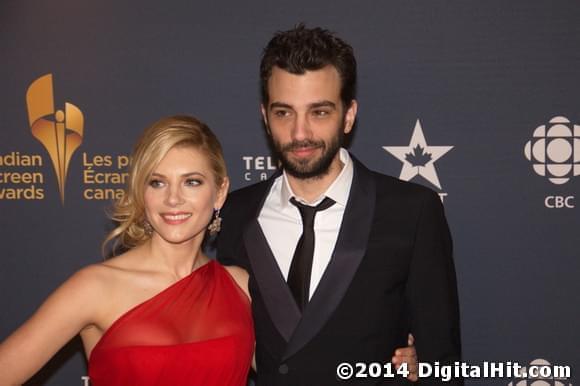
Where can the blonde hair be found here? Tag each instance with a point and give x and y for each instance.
(129, 211)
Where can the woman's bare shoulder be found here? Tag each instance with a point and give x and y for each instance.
(240, 276)
(106, 273)
(237, 272)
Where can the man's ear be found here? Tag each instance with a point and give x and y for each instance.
(265, 117)
(350, 116)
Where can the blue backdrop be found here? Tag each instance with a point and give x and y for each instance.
(475, 99)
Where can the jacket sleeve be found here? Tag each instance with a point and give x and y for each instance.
(432, 290)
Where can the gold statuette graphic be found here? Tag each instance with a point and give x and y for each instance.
(60, 132)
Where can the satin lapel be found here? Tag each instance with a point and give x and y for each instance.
(275, 292)
(347, 255)
(273, 288)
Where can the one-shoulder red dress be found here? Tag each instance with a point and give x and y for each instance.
(198, 331)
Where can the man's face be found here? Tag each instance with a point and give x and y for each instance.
(307, 120)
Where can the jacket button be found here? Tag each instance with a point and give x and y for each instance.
(283, 369)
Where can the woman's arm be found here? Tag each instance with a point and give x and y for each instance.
(66, 312)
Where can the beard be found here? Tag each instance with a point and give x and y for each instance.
(309, 167)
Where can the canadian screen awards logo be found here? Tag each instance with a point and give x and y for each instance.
(554, 151)
(60, 132)
(419, 158)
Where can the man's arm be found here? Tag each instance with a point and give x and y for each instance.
(432, 289)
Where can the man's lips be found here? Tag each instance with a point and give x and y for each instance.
(303, 151)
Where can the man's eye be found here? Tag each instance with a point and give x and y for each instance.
(281, 113)
(193, 182)
(156, 183)
(320, 113)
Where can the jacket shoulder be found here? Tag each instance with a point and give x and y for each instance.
(240, 207)
(248, 193)
(392, 186)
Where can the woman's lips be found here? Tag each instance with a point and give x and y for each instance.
(175, 218)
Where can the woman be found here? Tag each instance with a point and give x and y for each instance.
(161, 313)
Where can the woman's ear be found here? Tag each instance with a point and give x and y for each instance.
(222, 193)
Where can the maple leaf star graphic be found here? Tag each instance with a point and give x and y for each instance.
(418, 158)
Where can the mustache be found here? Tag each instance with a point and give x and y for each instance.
(307, 143)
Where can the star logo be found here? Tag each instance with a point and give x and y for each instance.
(418, 158)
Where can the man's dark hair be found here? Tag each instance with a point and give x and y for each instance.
(302, 49)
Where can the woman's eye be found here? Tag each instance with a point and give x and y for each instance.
(156, 183)
(193, 182)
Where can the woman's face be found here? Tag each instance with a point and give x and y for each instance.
(181, 195)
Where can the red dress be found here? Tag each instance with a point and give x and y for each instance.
(197, 332)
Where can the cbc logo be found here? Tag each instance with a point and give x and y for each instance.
(556, 380)
(557, 202)
(554, 150)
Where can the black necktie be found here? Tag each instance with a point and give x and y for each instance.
(301, 267)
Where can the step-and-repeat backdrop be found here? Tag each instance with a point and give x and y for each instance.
(479, 100)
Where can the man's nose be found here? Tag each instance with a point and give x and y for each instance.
(301, 129)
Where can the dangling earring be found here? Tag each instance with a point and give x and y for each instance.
(216, 224)
(147, 227)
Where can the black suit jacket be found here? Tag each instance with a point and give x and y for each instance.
(391, 273)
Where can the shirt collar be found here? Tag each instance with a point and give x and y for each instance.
(337, 191)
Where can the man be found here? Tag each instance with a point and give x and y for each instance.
(344, 262)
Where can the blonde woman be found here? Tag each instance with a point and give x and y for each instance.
(162, 313)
